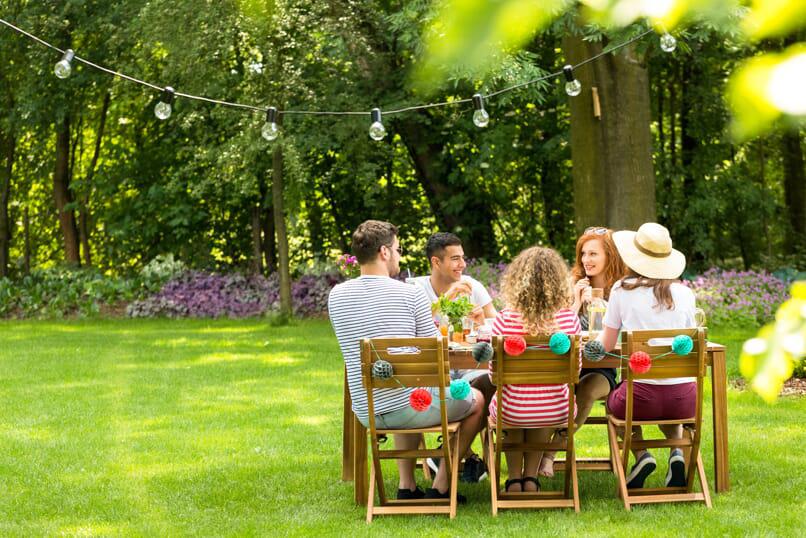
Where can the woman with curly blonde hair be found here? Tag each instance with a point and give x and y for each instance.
(537, 294)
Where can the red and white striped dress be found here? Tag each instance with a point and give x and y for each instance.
(533, 406)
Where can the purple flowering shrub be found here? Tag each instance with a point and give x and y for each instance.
(209, 295)
(488, 274)
(738, 297)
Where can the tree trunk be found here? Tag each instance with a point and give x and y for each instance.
(794, 189)
(84, 215)
(279, 227)
(257, 251)
(614, 179)
(62, 195)
(269, 240)
(26, 231)
(435, 170)
(7, 147)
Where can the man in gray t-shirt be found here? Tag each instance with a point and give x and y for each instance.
(447, 259)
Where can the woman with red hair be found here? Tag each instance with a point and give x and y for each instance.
(597, 265)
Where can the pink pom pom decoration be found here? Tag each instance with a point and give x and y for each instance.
(420, 400)
(514, 345)
(640, 362)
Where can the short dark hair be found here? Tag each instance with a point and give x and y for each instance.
(437, 243)
(369, 237)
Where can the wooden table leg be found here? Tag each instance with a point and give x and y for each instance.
(719, 391)
(347, 436)
(359, 462)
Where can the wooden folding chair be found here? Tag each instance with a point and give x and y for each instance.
(417, 362)
(691, 365)
(534, 366)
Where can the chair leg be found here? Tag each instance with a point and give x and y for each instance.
(574, 482)
(620, 471)
(703, 481)
(454, 474)
(492, 470)
(371, 494)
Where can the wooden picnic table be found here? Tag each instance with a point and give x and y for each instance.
(354, 438)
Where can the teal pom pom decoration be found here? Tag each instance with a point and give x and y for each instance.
(682, 344)
(382, 369)
(459, 389)
(594, 350)
(559, 343)
(482, 351)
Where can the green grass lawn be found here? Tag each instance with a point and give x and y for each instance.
(168, 428)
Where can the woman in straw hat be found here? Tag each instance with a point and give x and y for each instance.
(651, 297)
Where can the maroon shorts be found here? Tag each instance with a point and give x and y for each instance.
(655, 402)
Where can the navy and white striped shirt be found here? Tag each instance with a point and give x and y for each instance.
(373, 307)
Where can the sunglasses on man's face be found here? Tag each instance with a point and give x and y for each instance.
(399, 249)
(596, 230)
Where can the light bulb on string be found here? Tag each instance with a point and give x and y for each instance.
(572, 86)
(63, 68)
(270, 131)
(376, 130)
(480, 116)
(163, 109)
(667, 42)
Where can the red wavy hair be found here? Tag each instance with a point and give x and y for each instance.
(614, 268)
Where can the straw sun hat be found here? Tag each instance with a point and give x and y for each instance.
(649, 252)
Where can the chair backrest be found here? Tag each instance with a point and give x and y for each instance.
(416, 362)
(537, 364)
(671, 365)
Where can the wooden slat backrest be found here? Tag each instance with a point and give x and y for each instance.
(540, 366)
(420, 369)
(672, 365)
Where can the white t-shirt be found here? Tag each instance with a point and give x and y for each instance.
(479, 295)
(637, 309)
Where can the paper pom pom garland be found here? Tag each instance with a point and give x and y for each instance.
(420, 400)
(482, 351)
(682, 344)
(382, 369)
(460, 388)
(514, 345)
(640, 362)
(594, 350)
(559, 343)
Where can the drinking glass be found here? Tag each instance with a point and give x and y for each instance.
(699, 317)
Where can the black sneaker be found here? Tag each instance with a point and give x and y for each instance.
(407, 494)
(433, 493)
(676, 477)
(474, 470)
(644, 467)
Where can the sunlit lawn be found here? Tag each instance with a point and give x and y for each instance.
(166, 428)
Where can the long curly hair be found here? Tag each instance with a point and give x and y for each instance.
(536, 284)
(614, 269)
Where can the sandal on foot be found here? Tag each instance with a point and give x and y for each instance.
(512, 482)
(546, 469)
(526, 479)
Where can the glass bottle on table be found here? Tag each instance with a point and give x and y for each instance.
(596, 312)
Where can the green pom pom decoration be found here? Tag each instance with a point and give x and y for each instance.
(382, 369)
(482, 351)
(559, 343)
(459, 389)
(594, 350)
(682, 344)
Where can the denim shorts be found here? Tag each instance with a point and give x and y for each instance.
(407, 417)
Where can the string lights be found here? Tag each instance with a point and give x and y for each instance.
(163, 109)
(572, 86)
(63, 68)
(270, 130)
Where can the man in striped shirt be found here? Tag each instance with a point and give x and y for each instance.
(375, 305)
